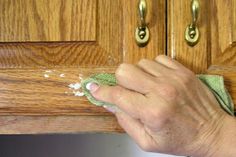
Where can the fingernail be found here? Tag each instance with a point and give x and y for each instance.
(111, 109)
(92, 87)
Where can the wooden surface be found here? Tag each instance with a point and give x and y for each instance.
(179, 17)
(106, 50)
(67, 54)
(47, 20)
(155, 19)
(223, 32)
(35, 73)
(216, 51)
(57, 124)
(47, 91)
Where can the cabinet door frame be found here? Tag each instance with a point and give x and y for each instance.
(34, 98)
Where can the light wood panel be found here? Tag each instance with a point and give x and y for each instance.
(223, 32)
(47, 91)
(47, 20)
(58, 124)
(23, 55)
(179, 17)
(216, 51)
(106, 50)
(155, 20)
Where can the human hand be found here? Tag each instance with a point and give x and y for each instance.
(165, 108)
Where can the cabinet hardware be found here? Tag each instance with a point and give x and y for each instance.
(142, 31)
(192, 33)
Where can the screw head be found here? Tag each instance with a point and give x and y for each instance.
(192, 33)
(142, 34)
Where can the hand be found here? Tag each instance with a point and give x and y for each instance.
(165, 108)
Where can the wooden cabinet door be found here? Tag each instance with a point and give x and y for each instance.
(216, 51)
(48, 46)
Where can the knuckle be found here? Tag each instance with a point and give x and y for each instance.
(118, 96)
(170, 91)
(185, 76)
(143, 61)
(122, 69)
(161, 57)
(167, 91)
(156, 119)
(150, 118)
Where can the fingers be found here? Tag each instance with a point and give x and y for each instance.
(133, 78)
(136, 130)
(129, 101)
(168, 62)
(153, 68)
(142, 78)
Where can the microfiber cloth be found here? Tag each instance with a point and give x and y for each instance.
(214, 82)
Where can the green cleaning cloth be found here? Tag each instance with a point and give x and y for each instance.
(214, 82)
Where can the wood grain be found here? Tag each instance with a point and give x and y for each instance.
(47, 20)
(179, 17)
(110, 27)
(23, 55)
(58, 124)
(223, 34)
(155, 20)
(46, 91)
(107, 50)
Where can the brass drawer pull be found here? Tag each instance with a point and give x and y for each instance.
(192, 33)
(142, 32)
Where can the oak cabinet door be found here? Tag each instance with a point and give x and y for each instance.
(48, 46)
(216, 51)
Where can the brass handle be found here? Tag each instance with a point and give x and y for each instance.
(142, 9)
(192, 33)
(142, 32)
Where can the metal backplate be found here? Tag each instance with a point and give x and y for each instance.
(142, 36)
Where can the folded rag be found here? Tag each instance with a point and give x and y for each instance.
(214, 82)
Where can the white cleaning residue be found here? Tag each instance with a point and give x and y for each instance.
(62, 75)
(78, 93)
(46, 75)
(76, 89)
(75, 86)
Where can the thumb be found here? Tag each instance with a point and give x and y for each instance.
(128, 101)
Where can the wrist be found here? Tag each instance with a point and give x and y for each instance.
(223, 142)
(227, 142)
(217, 138)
